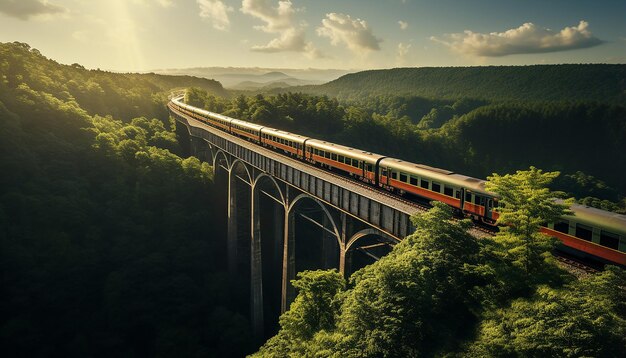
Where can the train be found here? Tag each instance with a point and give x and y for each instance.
(589, 234)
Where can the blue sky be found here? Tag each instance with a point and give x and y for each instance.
(136, 35)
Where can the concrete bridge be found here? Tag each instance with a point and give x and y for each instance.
(286, 216)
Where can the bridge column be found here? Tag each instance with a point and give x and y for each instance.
(344, 241)
(289, 255)
(256, 268)
(232, 226)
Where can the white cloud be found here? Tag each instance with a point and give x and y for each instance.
(216, 12)
(402, 52)
(355, 34)
(25, 9)
(403, 24)
(276, 18)
(527, 38)
(279, 20)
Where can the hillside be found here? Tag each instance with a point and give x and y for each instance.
(538, 82)
(132, 94)
(109, 240)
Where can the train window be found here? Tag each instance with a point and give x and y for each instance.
(404, 178)
(413, 181)
(609, 239)
(436, 187)
(468, 197)
(584, 232)
(424, 184)
(562, 226)
(383, 171)
(394, 175)
(448, 191)
(355, 163)
(327, 155)
(333, 156)
(457, 194)
(341, 159)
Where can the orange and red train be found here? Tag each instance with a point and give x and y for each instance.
(589, 232)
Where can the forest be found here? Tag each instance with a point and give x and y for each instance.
(111, 243)
(595, 82)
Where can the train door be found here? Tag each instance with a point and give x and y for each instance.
(462, 198)
(488, 208)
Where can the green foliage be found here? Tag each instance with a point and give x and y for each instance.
(108, 241)
(539, 82)
(583, 319)
(526, 204)
(314, 309)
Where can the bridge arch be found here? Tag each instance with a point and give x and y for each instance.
(220, 153)
(262, 176)
(368, 232)
(301, 197)
(240, 163)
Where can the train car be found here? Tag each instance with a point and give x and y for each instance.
(288, 142)
(356, 162)
(246, 130)
(213, 119)
(592, 232)
(464, 193)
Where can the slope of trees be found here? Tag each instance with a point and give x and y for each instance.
(538, 82)
(109, 244)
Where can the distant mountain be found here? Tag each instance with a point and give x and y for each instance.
(232, 77)
(599, 82)
(284, 82)
(274, 76)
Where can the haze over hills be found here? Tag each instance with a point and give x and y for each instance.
(257, 78)
(600, 82)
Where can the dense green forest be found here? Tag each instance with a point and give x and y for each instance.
(583, 140)
(538, 82)
(109, 242)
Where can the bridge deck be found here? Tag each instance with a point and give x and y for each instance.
(355, 186)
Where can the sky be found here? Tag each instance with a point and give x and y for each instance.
(143, 35)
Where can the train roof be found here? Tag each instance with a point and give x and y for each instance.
(202, 111)
(613, 222)
(345, 151)
(285, 135)
(246, 124)
(445, 176)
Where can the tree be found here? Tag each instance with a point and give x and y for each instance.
(585, 318)
(314, 309)
(419, 298)
(525, 205)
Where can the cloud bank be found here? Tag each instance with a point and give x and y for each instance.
(279, 20)
(216, 12)
(355, 34)
(25, 9)
(525, 39)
